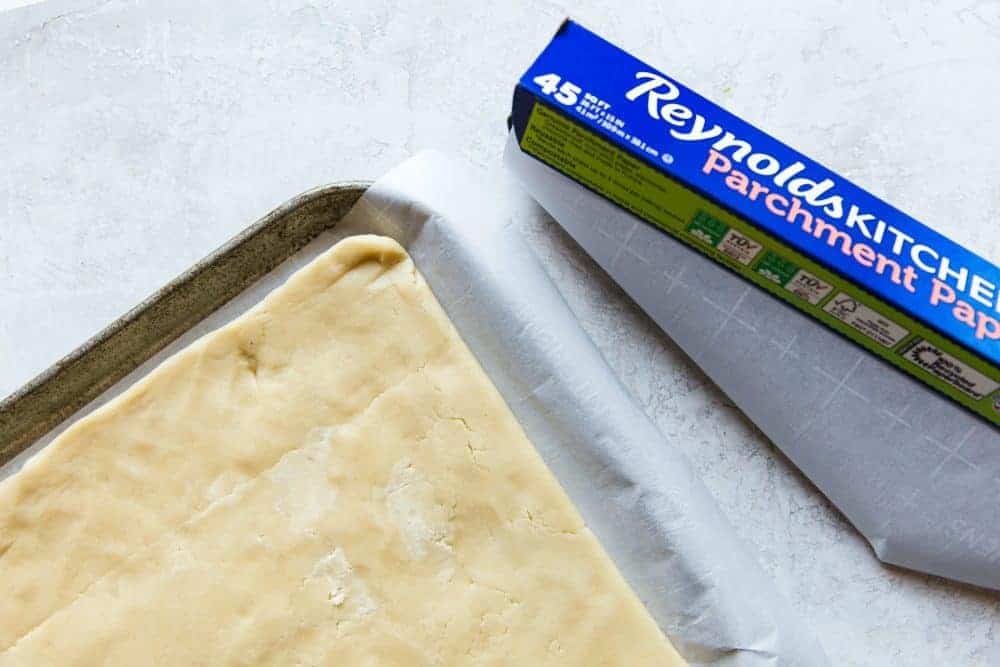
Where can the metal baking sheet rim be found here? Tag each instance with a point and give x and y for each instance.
(161, 324)
(84, 374)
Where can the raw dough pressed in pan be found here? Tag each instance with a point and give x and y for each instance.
(331, 479)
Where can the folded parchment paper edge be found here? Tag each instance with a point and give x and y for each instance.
(638, 494)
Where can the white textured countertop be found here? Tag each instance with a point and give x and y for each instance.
(137, 136)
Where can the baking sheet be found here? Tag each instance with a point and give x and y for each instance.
(914, 472)
(636, 492)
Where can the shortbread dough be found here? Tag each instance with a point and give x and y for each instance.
(331, 479)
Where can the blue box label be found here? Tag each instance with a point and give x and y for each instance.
(656, 120)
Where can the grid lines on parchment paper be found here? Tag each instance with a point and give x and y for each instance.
(840, 385)
(898, 418)
(953, 453)
(673, 279)
(898, 415)
(730, 314)
(623, 245)
(785, 348)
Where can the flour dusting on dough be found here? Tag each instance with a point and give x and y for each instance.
(344, 585)
(302, 479)
(414, 510)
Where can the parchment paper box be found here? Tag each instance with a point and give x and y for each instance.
(779, 219)
(592, 124)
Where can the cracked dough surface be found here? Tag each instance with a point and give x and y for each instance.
(331, 479)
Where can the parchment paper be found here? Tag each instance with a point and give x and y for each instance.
(638, 494)
(916, 473)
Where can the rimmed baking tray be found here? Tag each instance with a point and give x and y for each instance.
(639, 497)
(86, 372)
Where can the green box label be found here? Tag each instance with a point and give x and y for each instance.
(707, 229)
(776, 268)
(763, 260)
